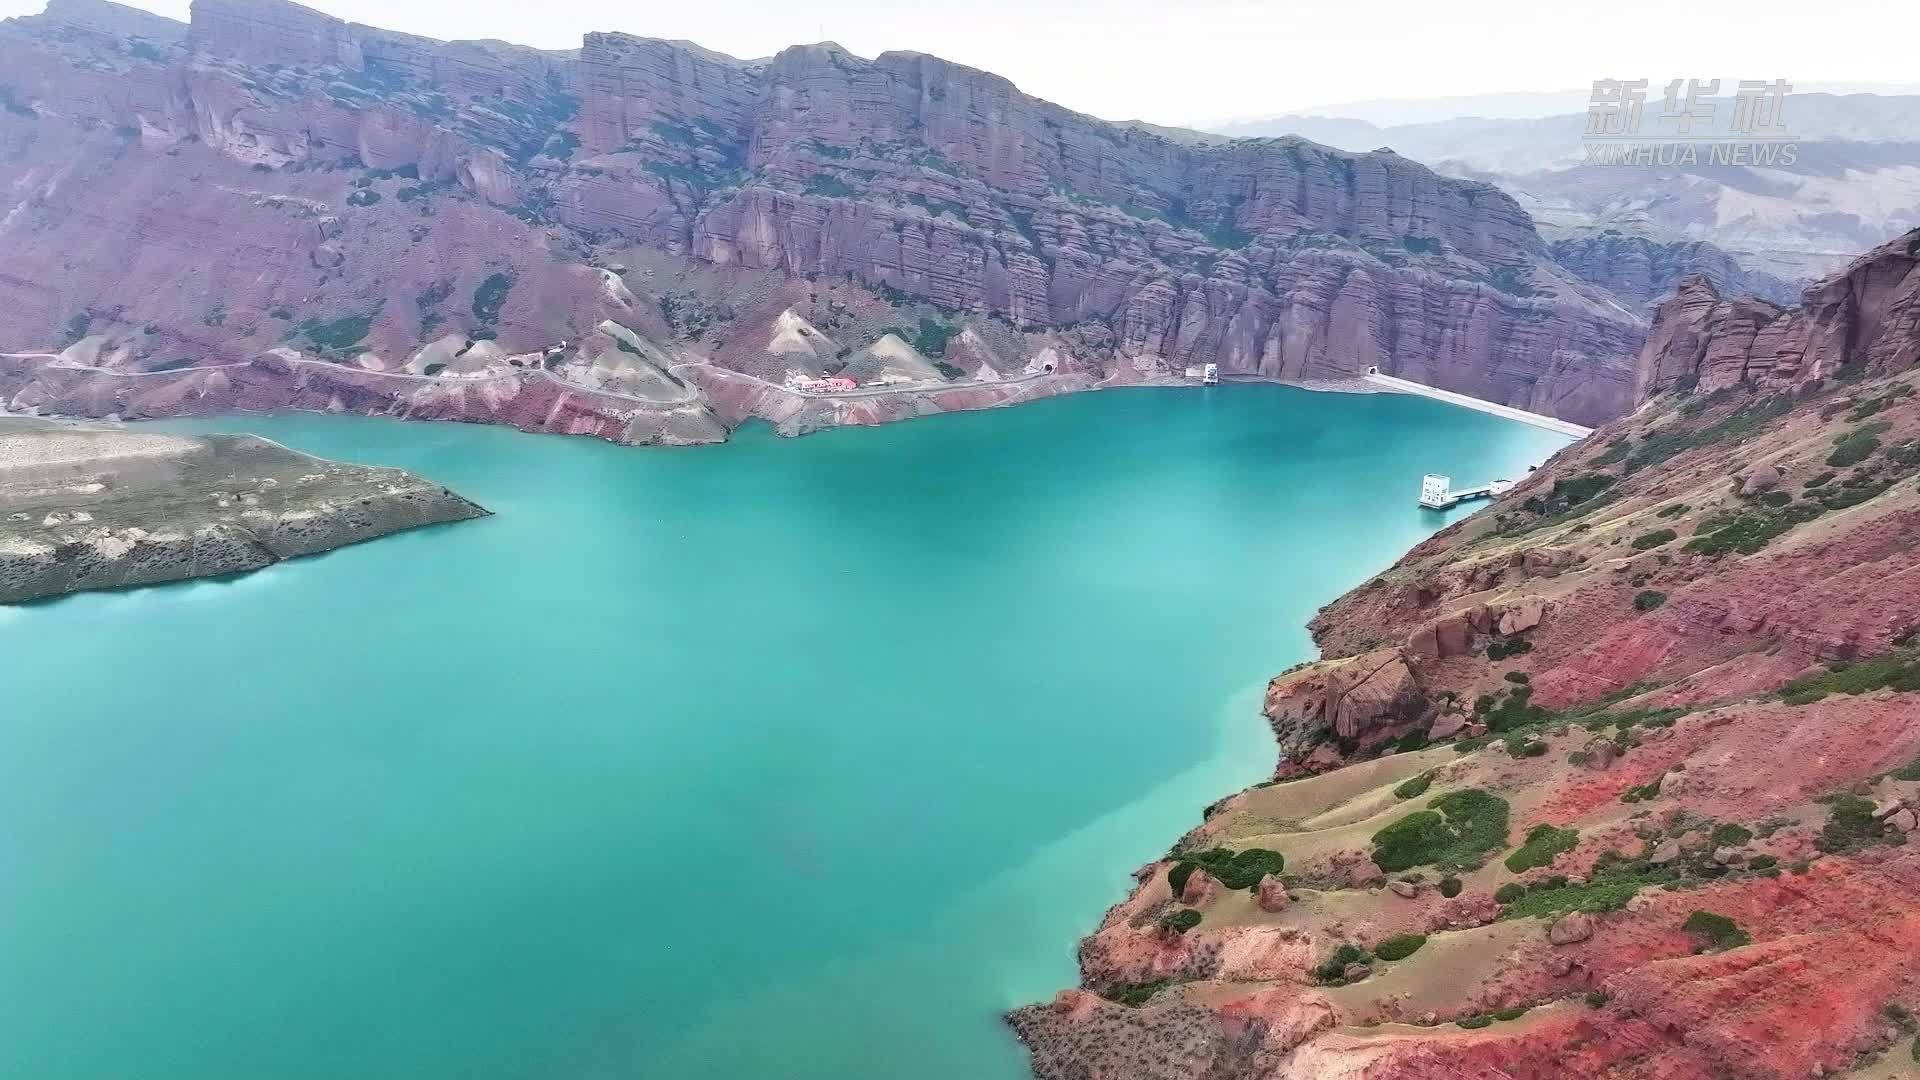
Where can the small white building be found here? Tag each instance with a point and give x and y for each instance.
(1435, 491)
(1211, 374)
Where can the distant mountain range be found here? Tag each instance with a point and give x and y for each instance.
(1856, 181)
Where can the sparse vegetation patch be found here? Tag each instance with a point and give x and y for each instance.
(1717, 933)
(1544, 844)
(1458, 831)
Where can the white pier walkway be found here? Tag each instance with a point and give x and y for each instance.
(1509, 412)
(1436, 491)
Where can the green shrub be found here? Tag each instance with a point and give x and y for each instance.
(1508, 893)
(1474, 1022)
(1415, 787)
(1411, 741)
(1854, 495)
(434, 369)
(365, 197)
(1514, 1013)
(1519, 678)
(1450, 887)
(1762, 862)
(1598, 999)
(1233, 869)
(1898, 670)
(1400, 946)
(1731, 835)
(1459, 830)
(490, 297)
(1500, 650)
(1181, 921)
(1544, 844)
(1672, 510)
(1524, 745)
(1334, 968)
(1614, 881)
(1578, 489)
(1648, 600)
(1616, 452)
(1717, 932)
(1910, 772)
(1134, 995)
(1851, 826)
(1819, 481)
(1642, 792)
(1853, 449)
(1737, 427)
(1748, 533)
(1649, 541)
(338, 335)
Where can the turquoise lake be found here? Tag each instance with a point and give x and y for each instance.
(784, 758)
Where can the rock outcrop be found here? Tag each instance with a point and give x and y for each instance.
(99, 508)
(1674, 840)
(291, 180)
(1641, 271)
(1865, 319)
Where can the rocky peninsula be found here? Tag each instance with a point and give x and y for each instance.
(1617, 778)
(99, 508)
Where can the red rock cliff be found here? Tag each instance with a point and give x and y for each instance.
(272, 137)
(1867, 317)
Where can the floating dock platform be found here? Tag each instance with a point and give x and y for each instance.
(1436, 491)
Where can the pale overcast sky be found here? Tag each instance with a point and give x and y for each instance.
(1204, 61)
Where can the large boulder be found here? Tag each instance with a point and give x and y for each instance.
(1600, 754)
(1570, 928)
(1348, 697)
(1545, 562)
(1522, 615)
(1453, 634)
(1200, 888)
(1759, 480)
(1273, 894)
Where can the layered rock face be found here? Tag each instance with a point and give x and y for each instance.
(1633, 791)
(1866, 319)
(284, 176)
(1643, 271)
(1276, 258)
(98, 508)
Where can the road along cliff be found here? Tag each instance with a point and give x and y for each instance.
(1619, 777)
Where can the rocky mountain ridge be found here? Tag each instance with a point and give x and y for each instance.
(340, 170)
(1851, 184)
(1619, 777)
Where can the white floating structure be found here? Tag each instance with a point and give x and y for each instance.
(1436, 491)
(1210, 375)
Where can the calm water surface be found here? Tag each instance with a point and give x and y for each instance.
(786, 758)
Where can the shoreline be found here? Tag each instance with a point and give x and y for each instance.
(728, 399)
